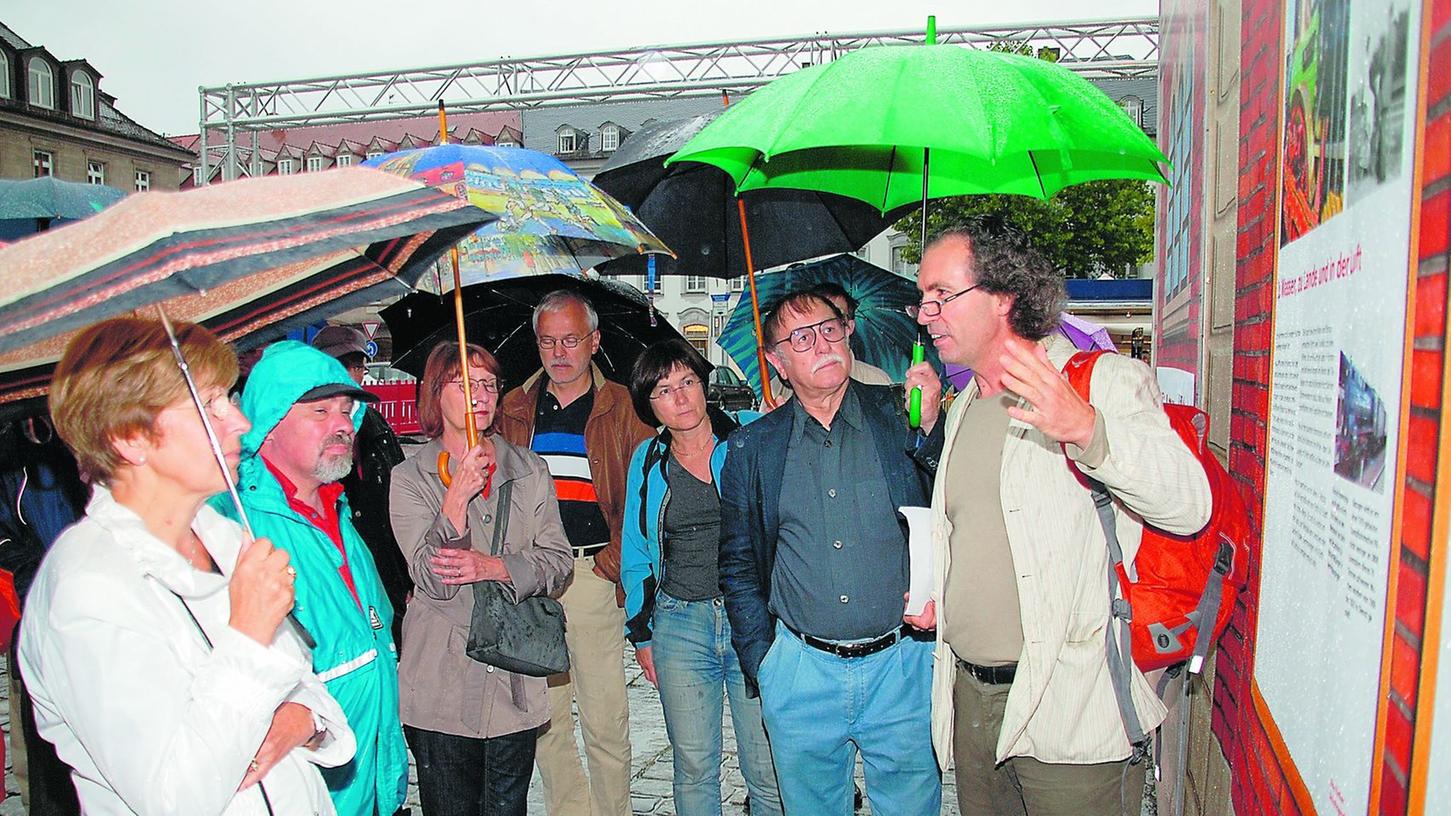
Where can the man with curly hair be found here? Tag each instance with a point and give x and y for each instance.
(1022, 696)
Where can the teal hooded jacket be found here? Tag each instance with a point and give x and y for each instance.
(355, 655)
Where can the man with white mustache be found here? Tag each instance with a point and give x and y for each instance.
(814, 569)
(305, 410)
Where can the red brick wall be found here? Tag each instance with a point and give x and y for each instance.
(1260, 784)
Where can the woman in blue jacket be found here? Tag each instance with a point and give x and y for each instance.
(674, 611)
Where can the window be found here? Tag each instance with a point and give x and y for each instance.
(143, 180)
(344, 160)
(4, 76)
(645, 284)
(1134, 107)
(373, 154)
(899, 261)
(95, 172)
(314, 163)
(566, 142)
(196, 176)
(42, 84)
(506, 141)
(699, 336)
(44, 162)
(738, 284)
(284, 167)
(83, 95)
(609, 138)
(694, 284)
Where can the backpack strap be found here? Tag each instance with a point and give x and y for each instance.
(1119, 648)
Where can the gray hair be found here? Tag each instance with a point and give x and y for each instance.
(560, 299)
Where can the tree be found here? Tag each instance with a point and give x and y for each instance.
(1085, 230)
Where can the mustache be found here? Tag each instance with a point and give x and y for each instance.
(341, 437)
(823, 362)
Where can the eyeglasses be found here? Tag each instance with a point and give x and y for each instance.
(804, 337)
(933, 308)
(491, 386)
(568, 341)
(665, 391)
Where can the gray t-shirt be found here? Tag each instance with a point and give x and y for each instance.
(692, 536)
(981, 621)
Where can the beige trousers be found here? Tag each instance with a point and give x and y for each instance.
(594, 631)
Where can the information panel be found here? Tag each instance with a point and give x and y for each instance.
(1345, 211)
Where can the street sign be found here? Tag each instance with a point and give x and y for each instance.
(370, 328)
(371, 349)
(721, 298)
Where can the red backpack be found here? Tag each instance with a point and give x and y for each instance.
(1176, 583)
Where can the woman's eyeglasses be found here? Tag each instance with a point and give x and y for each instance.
(685, 386)
(491, 386)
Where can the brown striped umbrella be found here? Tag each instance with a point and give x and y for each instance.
(266, 253)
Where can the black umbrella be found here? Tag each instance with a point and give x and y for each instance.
(497, 316)
(692, 207)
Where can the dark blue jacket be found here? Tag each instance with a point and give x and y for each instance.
(755, 467)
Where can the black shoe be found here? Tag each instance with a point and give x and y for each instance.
(747, 805)
(856, 799)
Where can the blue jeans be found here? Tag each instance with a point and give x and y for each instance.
(694, 664)
(466, 776)
(821, 709)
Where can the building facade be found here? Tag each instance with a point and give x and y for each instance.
(55, 120)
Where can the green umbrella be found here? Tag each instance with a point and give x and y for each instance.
(866, 124)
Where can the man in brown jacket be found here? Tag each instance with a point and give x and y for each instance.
(585, 428)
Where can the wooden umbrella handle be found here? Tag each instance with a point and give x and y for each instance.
(447, 479)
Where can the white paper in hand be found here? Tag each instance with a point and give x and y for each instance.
(919, 549)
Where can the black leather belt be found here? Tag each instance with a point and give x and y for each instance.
(991, 675)
(857, 649)
(586, 552)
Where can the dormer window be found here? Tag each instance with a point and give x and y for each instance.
(343, 160)
(314, 163)
(373, 154)
(1134, 107)
(506, 141)
(285, 167)
(83, 95)
(609, 138)
(568, 141)
(41, 83)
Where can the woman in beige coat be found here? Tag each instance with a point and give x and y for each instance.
(472, 727)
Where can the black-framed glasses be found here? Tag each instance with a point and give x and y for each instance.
(475, 386)
(802, 338)
(569, 341)
(666, 391)
(933, 308)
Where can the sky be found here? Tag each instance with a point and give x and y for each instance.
(154, 54)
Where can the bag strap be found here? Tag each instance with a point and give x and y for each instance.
(1117, 644)
(501, 516)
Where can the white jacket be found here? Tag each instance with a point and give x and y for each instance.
(1062, 708)
(150, 719)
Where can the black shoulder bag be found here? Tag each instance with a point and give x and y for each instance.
(525, 638)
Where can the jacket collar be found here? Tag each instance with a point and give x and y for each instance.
(157, 559)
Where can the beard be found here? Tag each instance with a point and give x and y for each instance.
(332, 468)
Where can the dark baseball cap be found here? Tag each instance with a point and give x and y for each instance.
(330, 390)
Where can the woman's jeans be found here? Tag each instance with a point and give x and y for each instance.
(696, 667)
(467, 776)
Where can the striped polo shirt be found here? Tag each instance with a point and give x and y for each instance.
(559, 439)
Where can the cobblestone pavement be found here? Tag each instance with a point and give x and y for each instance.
(651, 767)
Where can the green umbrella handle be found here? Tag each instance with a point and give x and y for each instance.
(914, 400)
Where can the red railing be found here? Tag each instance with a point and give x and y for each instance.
(398, 403)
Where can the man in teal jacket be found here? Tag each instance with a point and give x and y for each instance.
(305, 411)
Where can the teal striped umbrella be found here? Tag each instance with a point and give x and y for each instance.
(884, 332)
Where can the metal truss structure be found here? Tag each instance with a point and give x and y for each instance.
(1097, 49)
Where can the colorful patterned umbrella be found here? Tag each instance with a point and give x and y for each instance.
(238, 257)
(550, 219)
(884, 332)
